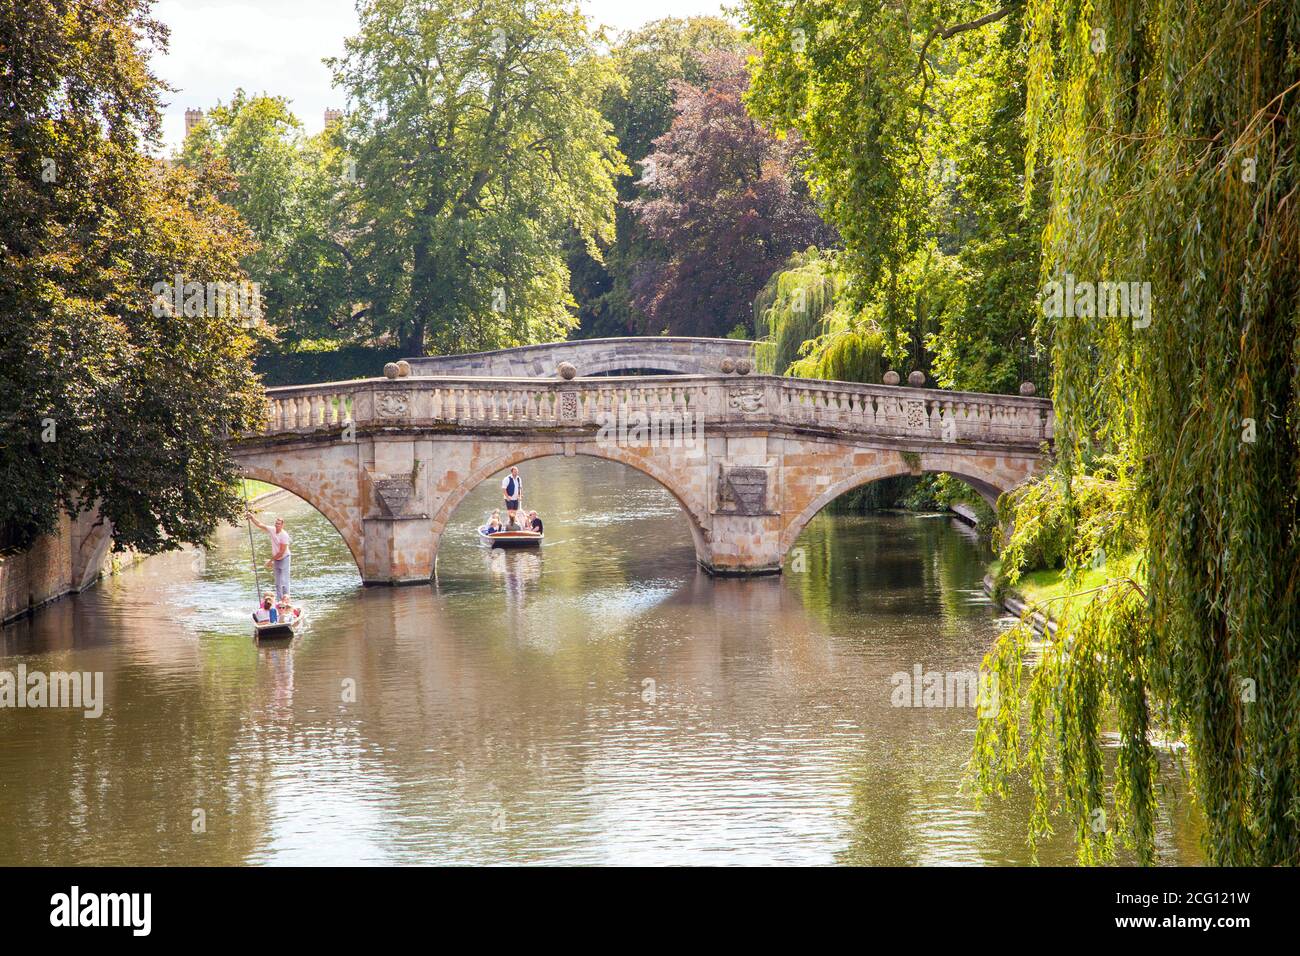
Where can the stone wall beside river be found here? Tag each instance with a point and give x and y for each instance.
(67, 561)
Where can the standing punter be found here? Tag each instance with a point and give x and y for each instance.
(279, 554)
(512, 487)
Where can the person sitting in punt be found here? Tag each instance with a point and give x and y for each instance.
(494, 523)
(534, 523)
(287, 612)
(512, 523)
(266, 612)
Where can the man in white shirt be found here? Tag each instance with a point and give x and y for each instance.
(512, 489)
(279, 562)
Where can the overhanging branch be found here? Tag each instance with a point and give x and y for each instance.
(945, 33)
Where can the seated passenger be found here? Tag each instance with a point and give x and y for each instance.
(534, 523)
(288, 613)
(266, 613)
(513, 523)
(494, 524)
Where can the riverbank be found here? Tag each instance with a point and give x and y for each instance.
(1050, 596)
(66, 562)
(74, 559)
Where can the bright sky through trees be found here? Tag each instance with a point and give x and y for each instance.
(276, 46)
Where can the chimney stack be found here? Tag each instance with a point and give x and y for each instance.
(332, 115)
(192, 118)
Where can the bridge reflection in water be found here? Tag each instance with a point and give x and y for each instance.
(602, 701)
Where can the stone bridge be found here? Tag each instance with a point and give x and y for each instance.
(643, 354)
(750, 459)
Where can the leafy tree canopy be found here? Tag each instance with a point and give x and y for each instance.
(478, 144)
(725, 204)
(288, 188)
(910, 112)
(108, 394)
(1171, 136)
(640, 110)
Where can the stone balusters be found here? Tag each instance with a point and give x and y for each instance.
(868, 410)
(304, 410)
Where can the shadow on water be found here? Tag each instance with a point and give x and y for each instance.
(596, 700)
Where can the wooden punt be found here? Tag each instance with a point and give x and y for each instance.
(278, 630)
(511, 539)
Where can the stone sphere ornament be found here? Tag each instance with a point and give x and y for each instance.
(403, 368)
(1027, 388)
(891, 377)
(728, 365)
(567, 370)
(390, 370)
(916, 379)
(743, 366)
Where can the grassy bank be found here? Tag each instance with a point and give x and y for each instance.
(1051, 593)
(256, 489)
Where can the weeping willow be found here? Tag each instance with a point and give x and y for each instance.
(845, 351)
(789, 309)
(804, 329)
(1170, 132)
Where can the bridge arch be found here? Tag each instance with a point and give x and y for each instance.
(344, 523)
(694, 519)
(878, 472)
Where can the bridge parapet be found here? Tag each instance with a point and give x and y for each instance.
(658, 354)
(881, 411)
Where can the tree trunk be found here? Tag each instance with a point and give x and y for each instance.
(413, 340)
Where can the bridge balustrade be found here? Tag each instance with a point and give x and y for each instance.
(840, 407)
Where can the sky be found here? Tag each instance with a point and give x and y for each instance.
(276, 47)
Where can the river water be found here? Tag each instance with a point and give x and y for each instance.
(597, 701)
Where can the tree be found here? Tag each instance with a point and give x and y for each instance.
(107, 395)
(1173, 155)
(288, 188)
(724, 203)
(639, 109)
(478, 142)
(910, 114)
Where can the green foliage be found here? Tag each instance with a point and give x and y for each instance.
(915, 161)
(107, 395)
(287, 188)
(1089, 674)
(337, 363)
(790, 308)
(845, 351)
(1050, 528)
(479, 149)
(1173, 161)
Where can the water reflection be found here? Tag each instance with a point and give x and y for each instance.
(596, 700)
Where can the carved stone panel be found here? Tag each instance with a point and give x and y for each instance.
(743, 490)
(569, 407)
(748, 399)
(392, 495)
(916, 417)
(392, 404)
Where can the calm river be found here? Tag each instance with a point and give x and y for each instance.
(599, 701)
